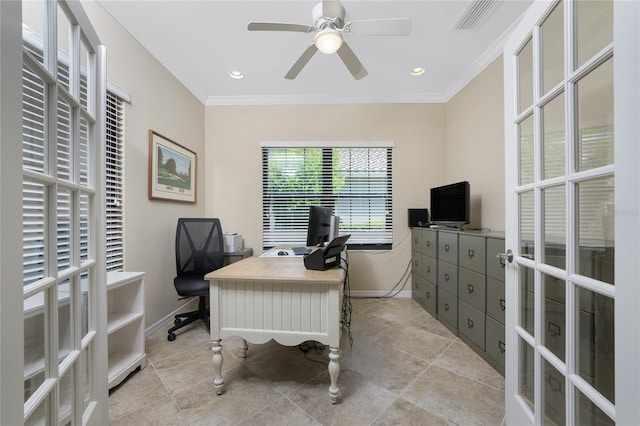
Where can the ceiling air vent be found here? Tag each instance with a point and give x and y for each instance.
(475, 13)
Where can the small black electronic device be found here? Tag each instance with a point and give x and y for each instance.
(450, 204)
(319, 226)
(282, 253)
(418, 217)
(327, 257)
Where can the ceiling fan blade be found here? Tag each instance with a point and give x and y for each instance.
(399, 26)
(351, 61)
(278, 26)
(301, 62)
(332, 9)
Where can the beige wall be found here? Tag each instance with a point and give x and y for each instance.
(233, 167)
(475, 144)
(161, 103)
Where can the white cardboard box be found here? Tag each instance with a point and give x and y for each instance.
(232, 243)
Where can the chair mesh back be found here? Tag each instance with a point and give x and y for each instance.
(199, 246)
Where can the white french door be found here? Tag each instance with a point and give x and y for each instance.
(566, 150)
(57, 299)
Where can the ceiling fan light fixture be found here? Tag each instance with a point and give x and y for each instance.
(417, 71)
(236, 75)
(328, 41)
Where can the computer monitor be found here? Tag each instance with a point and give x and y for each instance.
(319, 225)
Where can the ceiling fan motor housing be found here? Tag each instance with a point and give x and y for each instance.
(325, 19)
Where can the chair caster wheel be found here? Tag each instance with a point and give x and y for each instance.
(176, 321)
(171, 337)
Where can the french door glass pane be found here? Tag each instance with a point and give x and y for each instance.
(589, 414)
(594, 25)
(85, 390)
(527, 244)
(65, 330)
(554, 139)
(554, 321)
(527, 299)
(526, 150)
(526, 373)
(64, 48)
(84, 226)
(33, 21)
(595, 344)
(33, 112)
(33, 236)
(84, 303)
(554, 395)
(596, 222)
(34, 342)
(554, 226)
(552, 34)
(83, 160)
(85, 71)
(64, 229)
(63, 149)
(66, 397)
(595, 117)
(525, 77)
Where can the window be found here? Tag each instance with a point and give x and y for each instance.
(114, 182)
(353, 179)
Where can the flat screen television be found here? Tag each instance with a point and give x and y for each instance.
(319, 226)
(450, 204)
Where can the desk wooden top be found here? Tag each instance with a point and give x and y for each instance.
(274, 269)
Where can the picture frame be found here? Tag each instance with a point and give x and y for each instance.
(172, 170)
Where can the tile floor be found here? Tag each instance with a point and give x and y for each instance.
(404, 368)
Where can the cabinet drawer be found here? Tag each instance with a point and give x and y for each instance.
(471, 323)
(472, 254)
(418, 290)
(448, 247)
(430, 242)
(554, 388)
(429, 270)
(495, 266)
(431, 299)
(448, 307)
(495, 299)
(416, 239)
(416, 262)
(495, 340)
(448, 277)
(471, 288)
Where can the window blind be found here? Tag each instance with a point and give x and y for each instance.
(115, 182)
(356, 182)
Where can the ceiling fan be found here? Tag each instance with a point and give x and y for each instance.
(329, 25)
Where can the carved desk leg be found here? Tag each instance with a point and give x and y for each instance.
(334, 371)
(244, 347)
(217, 366)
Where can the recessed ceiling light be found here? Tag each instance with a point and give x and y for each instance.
(236, 74)
(417, 71)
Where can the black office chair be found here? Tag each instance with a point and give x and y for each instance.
(199, 250)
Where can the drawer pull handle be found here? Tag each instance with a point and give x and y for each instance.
(446, 277)
(554, 329)
(446, 247)
(428, 295)
(502, 304)
(554, 384)
(428, 243)
(415, 263)
(415, 240)
(428, 269)
(470, 253)
(446, 306)
(469, 322)
(501, 346)
(470, 288)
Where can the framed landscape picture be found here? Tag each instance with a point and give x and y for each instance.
(172, 170)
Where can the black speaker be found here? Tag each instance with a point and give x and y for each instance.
(418, 217)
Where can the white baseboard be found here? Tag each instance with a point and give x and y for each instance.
(190, 305)
(402, 294)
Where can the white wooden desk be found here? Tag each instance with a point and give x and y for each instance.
(264, 298)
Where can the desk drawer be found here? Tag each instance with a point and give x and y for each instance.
(471, 288)
(448, 247)
(429, 270)
(495, 299)
(448, 277)
(472, 253)
(495, 340)
(448, 308)
(471, 323)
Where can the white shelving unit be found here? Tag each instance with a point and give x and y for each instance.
(125, 324)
